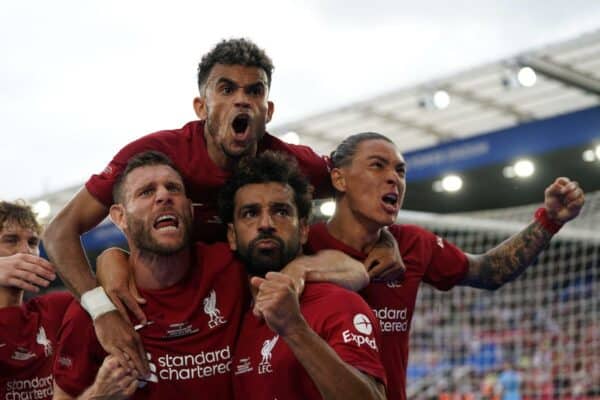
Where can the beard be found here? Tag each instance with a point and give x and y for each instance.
(141, 236)
(260, 261)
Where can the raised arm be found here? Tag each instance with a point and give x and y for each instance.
(334, 378)
(63, 245)
(563, 202)
(328, 266)
(62, 241)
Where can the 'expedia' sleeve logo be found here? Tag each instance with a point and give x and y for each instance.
(364, 327)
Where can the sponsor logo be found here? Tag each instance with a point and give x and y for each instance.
(42, 339)
(244, 365)
(181, 329)
(392, 319)
(34, 388)
(193, 366)
(265, 364)
(362, 324)
(394, 284)
(359, 339)
(22, 354)
(440, 241)
(65, 361)
(210, 309)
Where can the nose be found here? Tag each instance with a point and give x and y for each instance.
(241, 99)
(393, 177)
(265, 222)
(163, 195)
(25, 248)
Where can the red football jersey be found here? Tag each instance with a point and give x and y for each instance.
(187, 149)
(427, 258)
(28, 335)
(264, 366)
(194, 325)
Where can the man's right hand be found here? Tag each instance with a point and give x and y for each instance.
(113, 381)
(26, 271)
(119, 339)
(116, 277)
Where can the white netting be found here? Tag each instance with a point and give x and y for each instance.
(546, 324)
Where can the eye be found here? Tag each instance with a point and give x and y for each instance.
(147, 192)
(34, 242)
(227, 89)
(256, 90)
(377, 164)
(249, 214)
(174, 188)
(282, 212)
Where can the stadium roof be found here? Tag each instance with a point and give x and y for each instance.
(487, 98)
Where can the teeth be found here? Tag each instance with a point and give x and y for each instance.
(165, 218)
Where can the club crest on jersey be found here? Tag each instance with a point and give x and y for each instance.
(210, 309)
(22, 354)
(42, 339)
(267, 348)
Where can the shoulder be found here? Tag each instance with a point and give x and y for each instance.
(331, 297)
(56, 301)
(304, 154)
(165, 140)
(407, 231)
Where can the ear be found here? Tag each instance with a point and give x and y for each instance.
(304, 229)
(117, 215)
(231, 237)
(200, 107)
(338, 180)
(270, 110)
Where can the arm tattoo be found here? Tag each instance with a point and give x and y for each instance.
(508, 260)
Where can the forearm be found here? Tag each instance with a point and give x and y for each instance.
(331, 375)
(66, 252)
(336, 267)
(509, 259)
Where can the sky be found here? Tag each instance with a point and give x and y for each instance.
(79, 79)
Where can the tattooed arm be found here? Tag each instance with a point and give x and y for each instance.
(563, 200)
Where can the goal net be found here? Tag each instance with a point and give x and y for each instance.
(543, 329)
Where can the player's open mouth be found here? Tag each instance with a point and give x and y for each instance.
(240, 123)
(166, 222)
(390, 198)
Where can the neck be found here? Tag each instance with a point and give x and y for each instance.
(10, 297)
(353, 230)
(154, 271)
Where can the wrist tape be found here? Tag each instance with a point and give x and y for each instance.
(96, 302)
(541, 216)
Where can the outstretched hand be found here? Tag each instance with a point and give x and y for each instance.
(563, 200)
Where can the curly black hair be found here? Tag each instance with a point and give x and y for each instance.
(267, 167)
(234, 52)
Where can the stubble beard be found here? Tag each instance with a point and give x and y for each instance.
(148, 246)
(258, 261)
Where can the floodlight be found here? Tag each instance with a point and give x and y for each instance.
(441, 99)
(589, 155)
(327, 208)
(452, 183)
(526, 76)
(524, 168)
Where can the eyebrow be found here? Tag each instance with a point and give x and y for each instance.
(228, 81)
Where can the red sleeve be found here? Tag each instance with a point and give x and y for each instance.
(448, 265)
(100, 185)
(353, 332)
(78, 354)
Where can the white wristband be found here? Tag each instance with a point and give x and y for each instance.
(96, 302)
